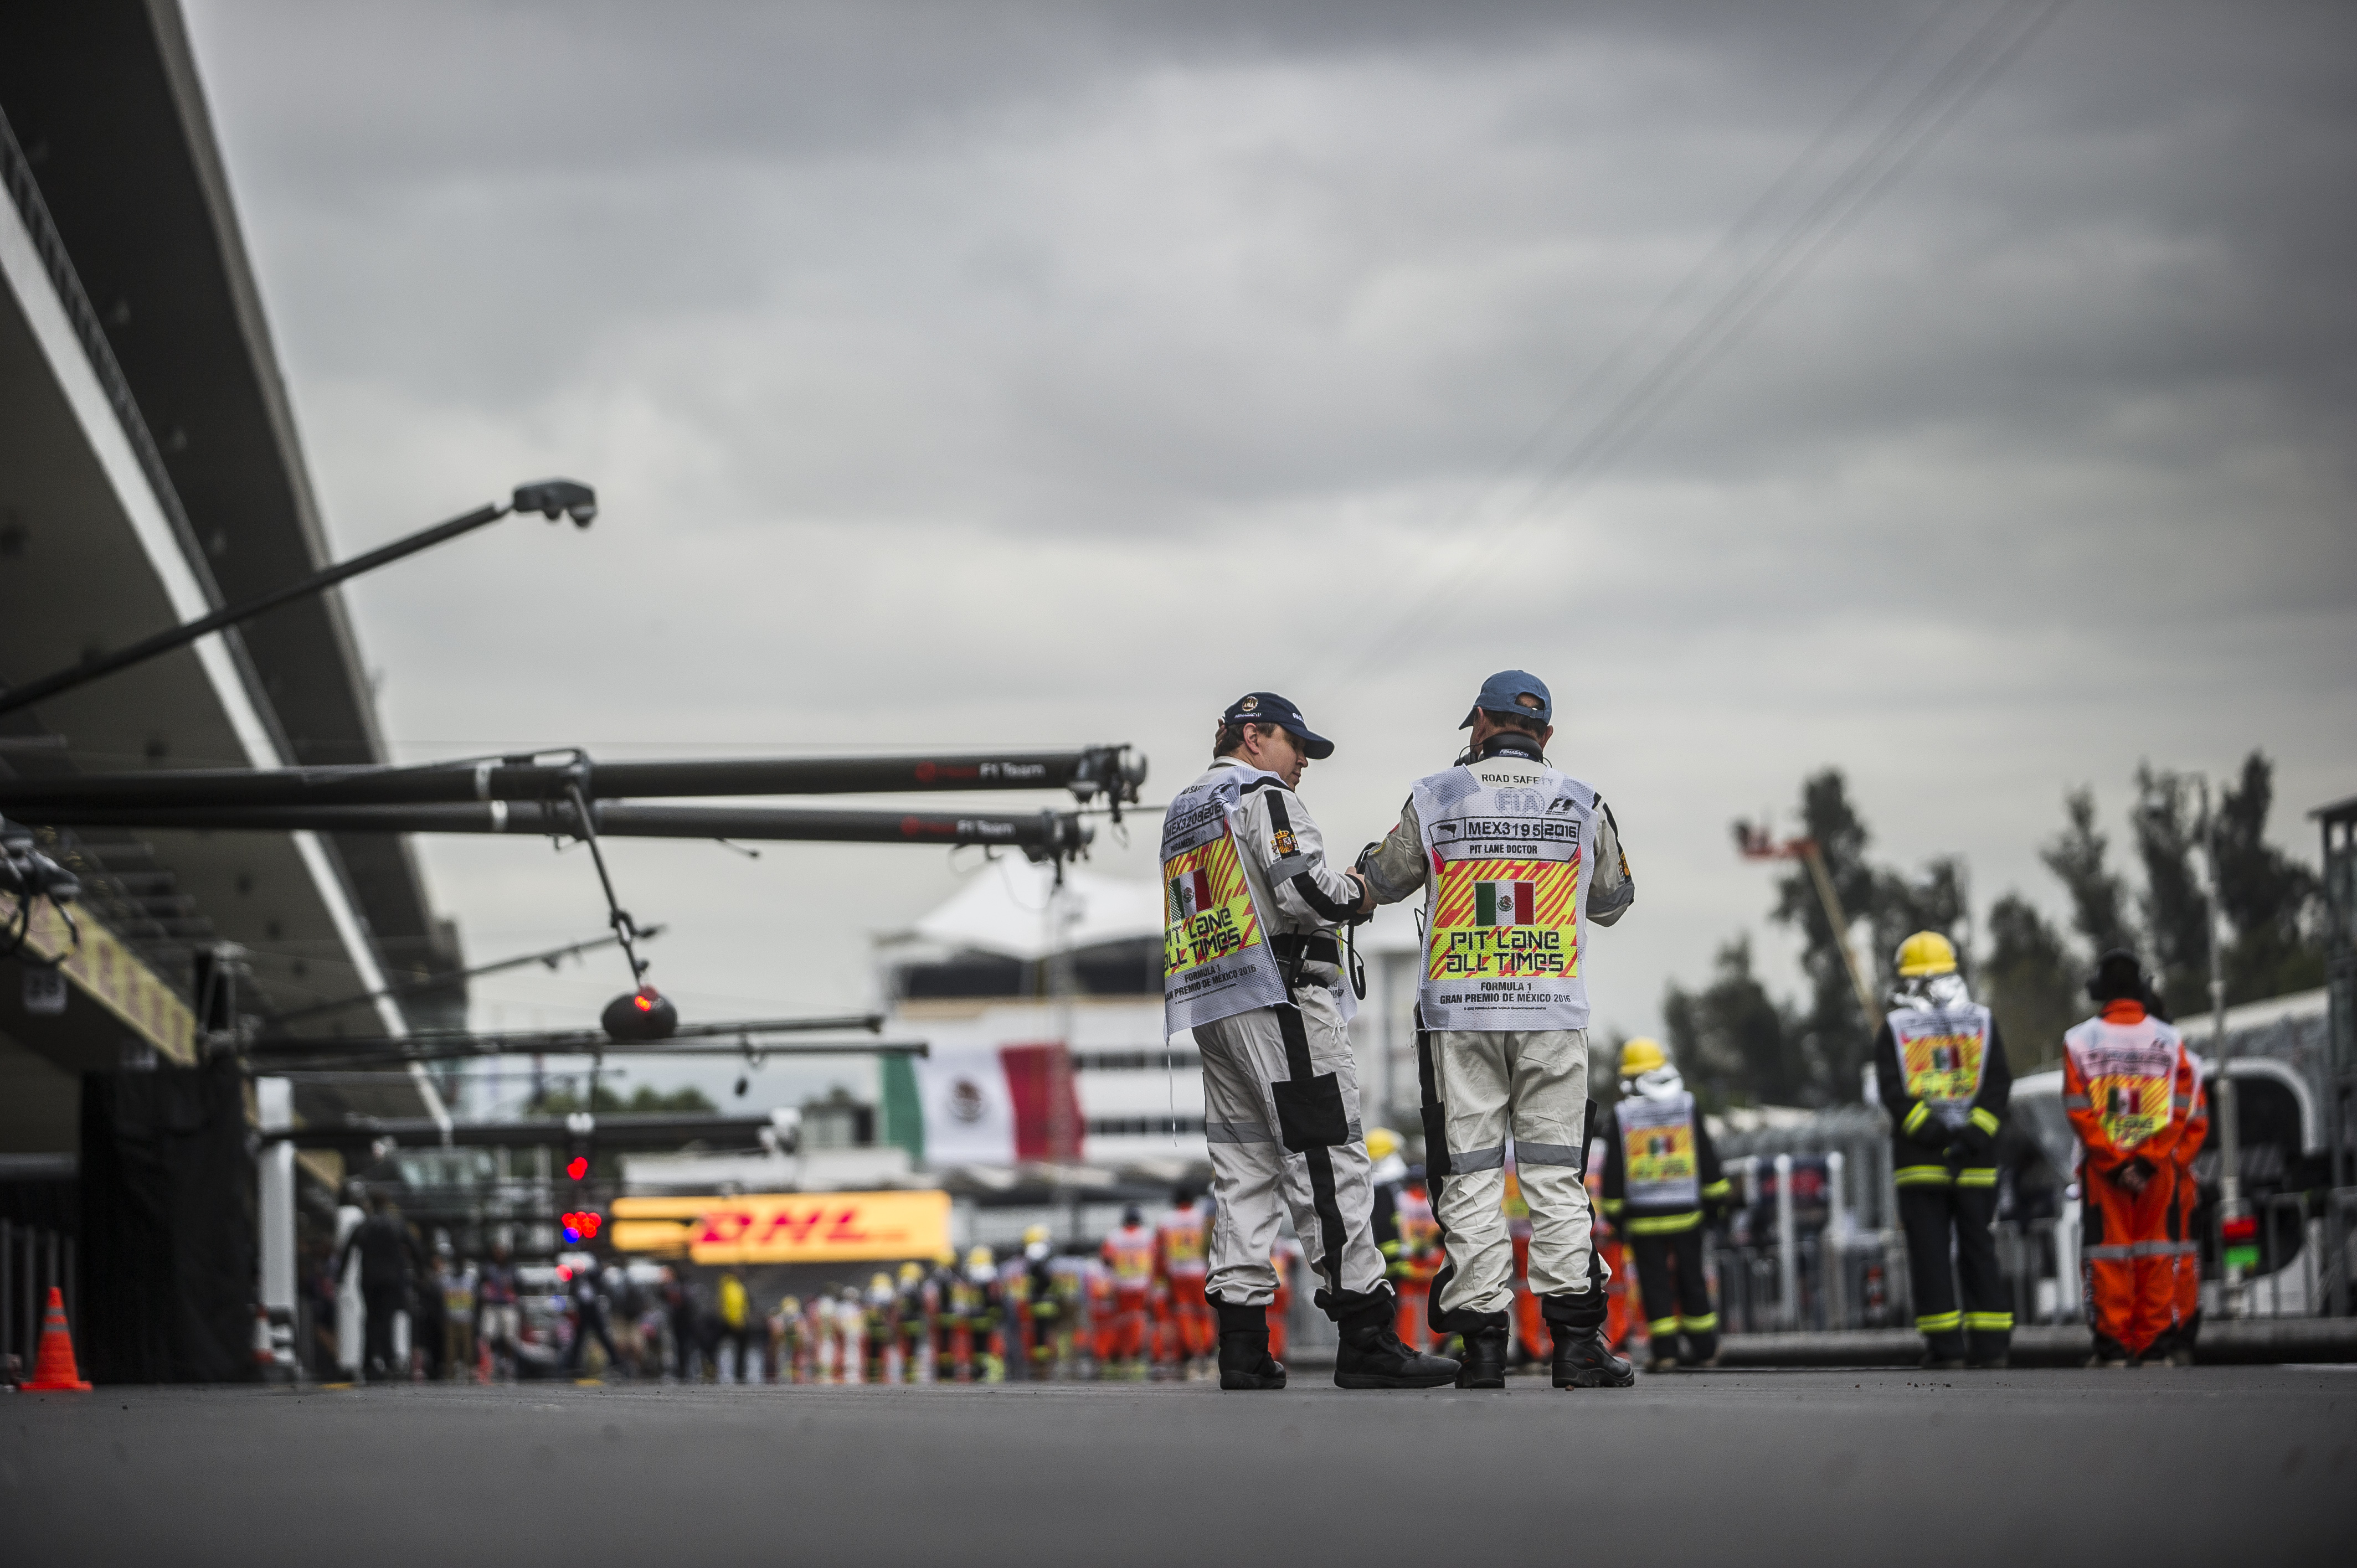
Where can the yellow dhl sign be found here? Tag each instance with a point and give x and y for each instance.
(785, 1228)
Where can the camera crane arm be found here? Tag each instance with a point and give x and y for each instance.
(1040, 835)
(1113, 771)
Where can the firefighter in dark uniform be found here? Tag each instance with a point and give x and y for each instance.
(1038, 1301)
(941, 1296)
(1939, 1064)
(1663, 1183)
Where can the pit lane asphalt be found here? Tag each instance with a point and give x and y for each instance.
(1990, 1469)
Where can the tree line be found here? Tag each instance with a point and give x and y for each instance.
(1742, 1046)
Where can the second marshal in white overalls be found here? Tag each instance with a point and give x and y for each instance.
(1250, 965)
(1516, 859)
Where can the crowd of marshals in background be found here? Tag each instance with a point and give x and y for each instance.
(1133, 1309)
(1140, 1306)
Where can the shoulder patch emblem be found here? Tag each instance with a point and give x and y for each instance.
(1282, 844)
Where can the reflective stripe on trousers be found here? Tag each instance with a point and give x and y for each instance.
(2140, 1249)
(1255, 1179)
(1531, 1085)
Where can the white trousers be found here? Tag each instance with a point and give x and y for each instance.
(1531, 1085)
(1271, 1077)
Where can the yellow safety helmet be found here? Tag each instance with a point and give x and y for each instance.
(946, 1257)
(911, 1273)
(1642, 1054)
(981, 1258)
(1382, 1142)
(1034, 1234)
(1926, 953)
(880, 1279)
(790, 1307)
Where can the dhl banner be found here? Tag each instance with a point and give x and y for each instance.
(785, 1228)
(108, 972)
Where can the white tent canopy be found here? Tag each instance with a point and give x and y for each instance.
(1013, 908)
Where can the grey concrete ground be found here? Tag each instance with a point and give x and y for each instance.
(1995, 1470)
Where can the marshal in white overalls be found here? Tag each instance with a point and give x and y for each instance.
(1250, 966)
(1516, 858)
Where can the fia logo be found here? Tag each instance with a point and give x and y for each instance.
(1521, 803)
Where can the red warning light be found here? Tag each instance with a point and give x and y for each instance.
(577, 1168)
(579, 1228)
(644, 1003)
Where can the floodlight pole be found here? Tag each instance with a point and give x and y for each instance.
(1754, 843)
(2230, 1206)
(1840, 919)
(550, 497)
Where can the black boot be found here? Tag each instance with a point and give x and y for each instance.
(1582, 1359)
(1371, 1356)
(1485, 1350)
(1245, 1360)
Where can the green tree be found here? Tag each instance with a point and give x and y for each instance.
(2167, 821)
(2272, 901)
(2031, 980)
(1733, 1042)
(2098, 897)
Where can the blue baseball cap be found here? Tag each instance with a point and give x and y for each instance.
(1500, 694)
(1268, 708)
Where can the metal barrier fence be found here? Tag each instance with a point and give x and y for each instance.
(1838, 1275)
(31, 1261)
(2315, 1281)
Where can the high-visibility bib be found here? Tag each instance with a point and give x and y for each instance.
(1216, 961)
(1659, 1167)
(1501, 912)
(1129, 1254)
(1941, 1054)
(1183, 1244)
(1419, 1229)
(2130, 1074)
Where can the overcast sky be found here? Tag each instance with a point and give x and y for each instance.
(1960, 395)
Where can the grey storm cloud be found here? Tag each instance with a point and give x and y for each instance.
(1051, 372)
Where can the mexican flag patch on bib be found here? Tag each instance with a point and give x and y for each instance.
(1504, 903)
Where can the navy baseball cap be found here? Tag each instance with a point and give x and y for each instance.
(1268, 708)
(1499, 691)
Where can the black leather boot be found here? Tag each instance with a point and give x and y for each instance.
(1582, 1359)
(1485, 1350)
(1371, 1356)
(1245, 1360)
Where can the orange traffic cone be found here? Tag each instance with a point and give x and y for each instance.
(56, 1370)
